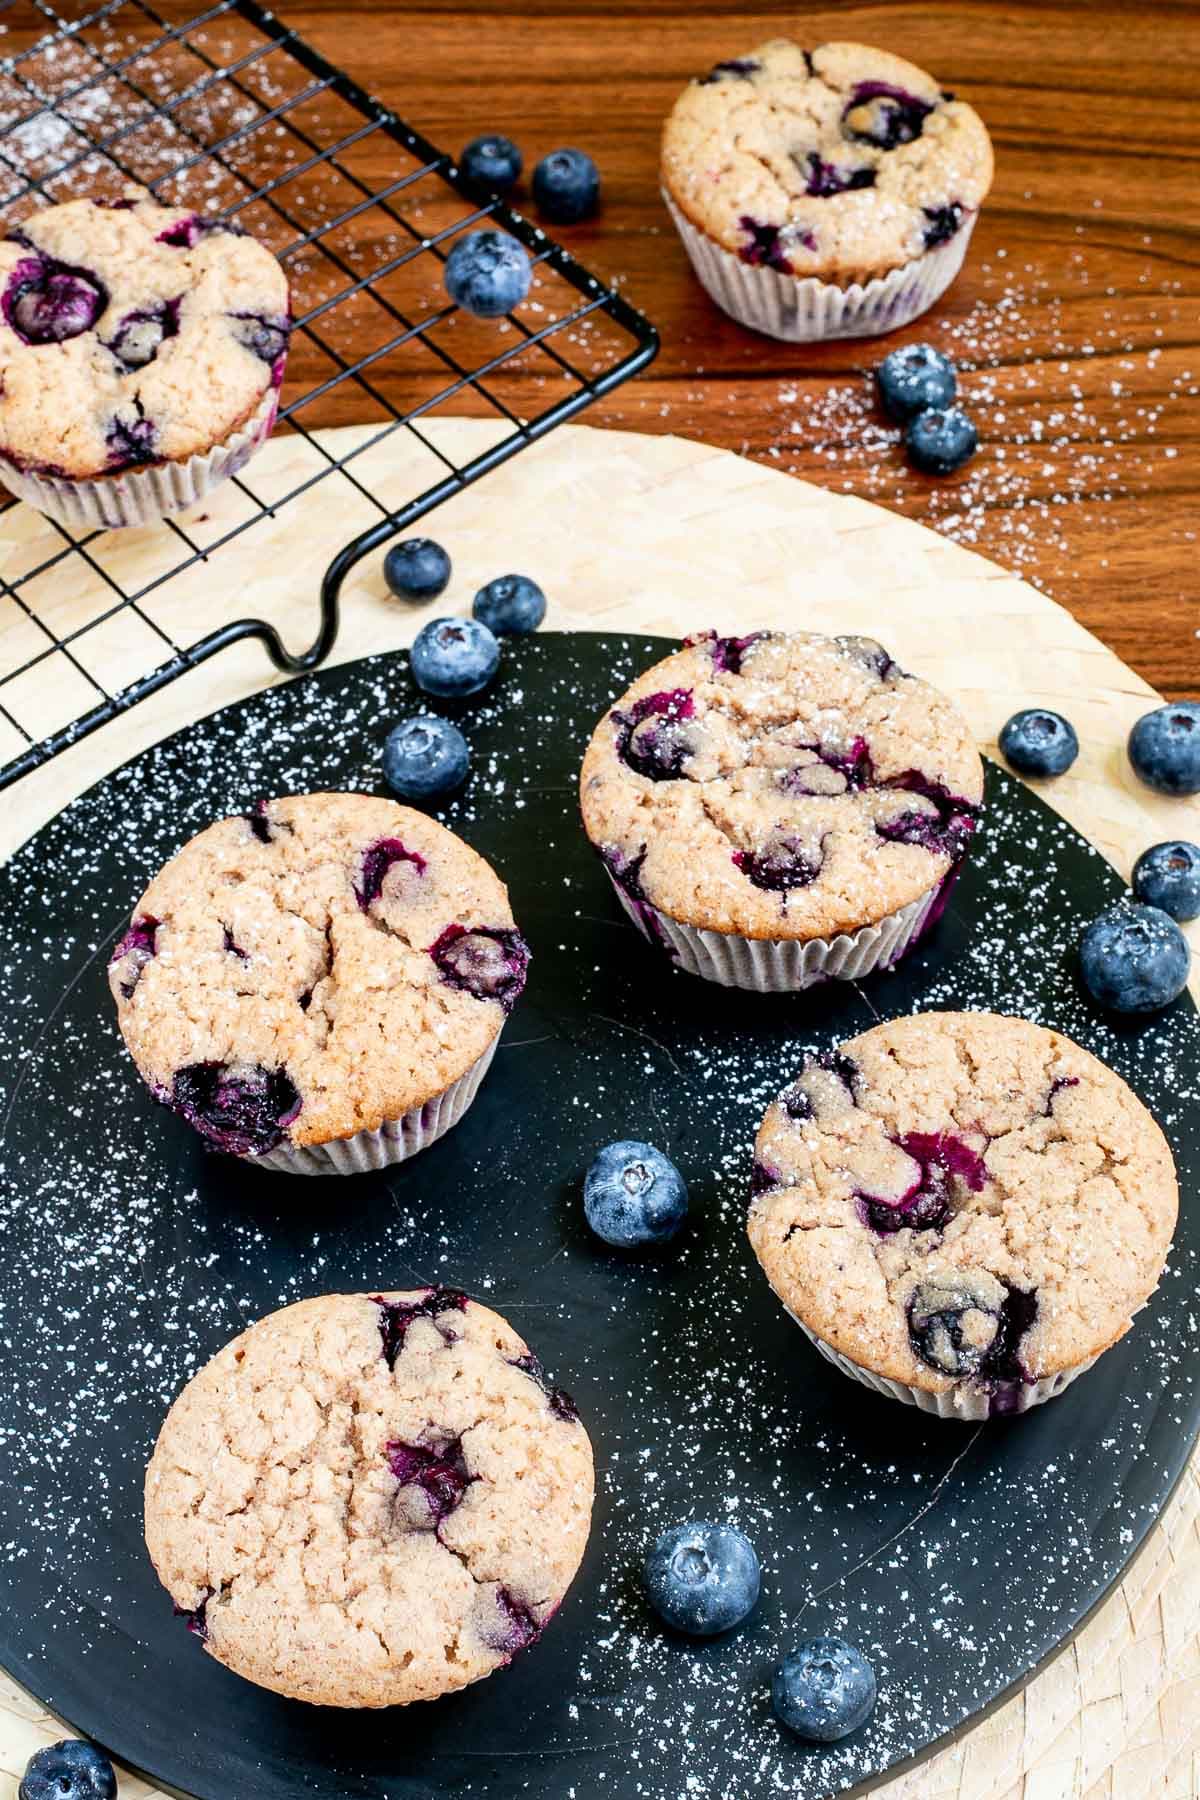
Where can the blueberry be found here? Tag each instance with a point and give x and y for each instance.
(453, 657)
(425, 756)
(487, 273)
(702, 1578)
(70, 1770)
(510, 603)
(1134, 959)
(489, 962)
(1168, 876)
(47, 303)
(1164, 748)
(416, 569)
(915, 379)
(1041, 743)
(490, 164)
(824, 1690)
(883, 115)
(566, 186)
(634, 1195)
(243, 1109)
(941, 441)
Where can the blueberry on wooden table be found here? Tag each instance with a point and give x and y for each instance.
(416, 569)
(1039, 743)
(491, 164)
(1168, 876)
(940, 441)
(824, 1690)
(702, 1578)
(915, 379)
(566, 186)
(1134, 959)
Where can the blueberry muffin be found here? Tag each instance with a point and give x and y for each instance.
(798, 179)
(366, 1500)
(319, 986)
(962, 1210)
(141, 353)
(781, 808)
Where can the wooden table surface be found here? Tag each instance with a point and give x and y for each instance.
(1075, 318)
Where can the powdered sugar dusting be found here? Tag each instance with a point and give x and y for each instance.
(954, 1557)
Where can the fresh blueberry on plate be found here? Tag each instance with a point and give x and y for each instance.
(1039, 743)
(1168, 876)
(1164, 748)
(634, 1195)
(425, 757)
(416, 569)
(491, 164)
(824, 1690)
(702, 1578)
(487, 273)
(454, 657)
(941, 440)
(510, 604)
(566, 186)
(70, 1770)
(914, 380)
(1134, 959)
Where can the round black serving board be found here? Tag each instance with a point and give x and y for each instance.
(958, 1557)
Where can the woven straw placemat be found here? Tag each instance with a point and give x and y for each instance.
(657, 534)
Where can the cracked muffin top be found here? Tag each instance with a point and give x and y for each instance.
(367, 1500)
(315, 969)
(132, 333)
(962, 1197)
(782, 785)
(841, 162)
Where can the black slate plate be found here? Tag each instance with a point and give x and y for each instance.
(958, 1557)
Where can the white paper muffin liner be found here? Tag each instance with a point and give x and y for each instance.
(786, 965)
(393, 1142)
(140, 496)
(966, 1400)
(805, 310)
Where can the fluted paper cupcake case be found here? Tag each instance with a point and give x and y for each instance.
(142, 495)
(805, 310)
(392, 1142)
(786, 965)
(966, 1400)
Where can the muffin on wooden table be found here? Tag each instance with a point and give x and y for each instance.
(826, 193)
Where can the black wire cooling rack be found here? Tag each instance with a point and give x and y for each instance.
(230, 113)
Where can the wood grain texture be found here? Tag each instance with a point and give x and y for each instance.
(708, 537)
(1079, 302)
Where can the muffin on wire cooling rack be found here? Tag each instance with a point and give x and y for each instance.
(142, 349)
(782, 808)
(319, 986)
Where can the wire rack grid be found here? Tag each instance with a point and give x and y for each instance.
(230, 113)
